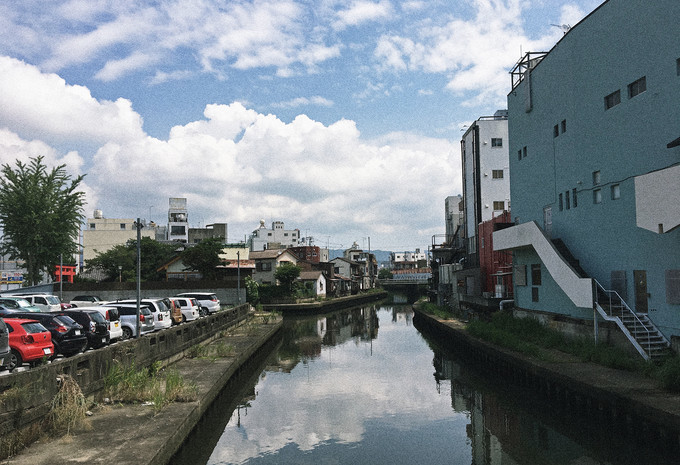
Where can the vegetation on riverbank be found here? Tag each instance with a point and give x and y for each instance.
(532, 338)
(153, 384)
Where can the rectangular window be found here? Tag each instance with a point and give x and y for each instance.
(560, 202)
(519, 154)
(596, 178)
(566, 200)
(520, 275)
(285, 234)
(677, 66)
(556, 130)
(597, 196)
(496, 142)
(616, 192)
(564, 126)
(122, 226)
(93, 225)
(498, 205)
(673, 287)
(534, 294)
(612, 100)
(497, 174)
(524, 151)
(573, 196)
(637, 87)
(536, 274)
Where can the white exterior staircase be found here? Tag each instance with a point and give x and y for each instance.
(638, 328)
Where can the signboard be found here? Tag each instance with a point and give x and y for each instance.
(11, 277)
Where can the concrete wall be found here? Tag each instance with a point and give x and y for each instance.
(35, 388)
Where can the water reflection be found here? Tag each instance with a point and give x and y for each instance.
(365, 386)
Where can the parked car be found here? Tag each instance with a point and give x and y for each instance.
(86, 301)
(95, 326)
(4, 345)
(113, 319)
(175, 311)
(160, 311)
(67, 335)
(29, 341)
(45, 302)
(18, 303)
(208, 301)
(128, 318)
(189, 307)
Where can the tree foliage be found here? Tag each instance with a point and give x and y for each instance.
(41, 211)
(153, 255)
(384, 273)
(286, 274)
(204, 257)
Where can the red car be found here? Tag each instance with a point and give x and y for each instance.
(29, 341)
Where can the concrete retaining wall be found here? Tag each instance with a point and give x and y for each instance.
(26, 396)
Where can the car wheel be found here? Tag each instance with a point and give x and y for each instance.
(15, 360)
(127, 333)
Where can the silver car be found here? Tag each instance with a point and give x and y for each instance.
(127, 314)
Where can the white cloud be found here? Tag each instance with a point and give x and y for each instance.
(361, 12)
(302, 101)
(38, 105)
(117, 68)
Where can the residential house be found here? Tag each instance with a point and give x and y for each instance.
(266, 262)
(316, 280)
(594, 134)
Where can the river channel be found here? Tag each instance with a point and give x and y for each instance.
(365, 386)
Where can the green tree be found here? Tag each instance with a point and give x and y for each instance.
(41, 211)
(204, 257)
(252, 290)
(153, 254)
(384, 273)
(286, 275)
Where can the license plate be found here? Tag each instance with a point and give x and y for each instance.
(77, 332)
(47, 351)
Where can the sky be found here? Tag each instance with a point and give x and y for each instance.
(340, 118)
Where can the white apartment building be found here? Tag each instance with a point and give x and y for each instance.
(275, 238)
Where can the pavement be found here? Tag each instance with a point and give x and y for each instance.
(132, 433)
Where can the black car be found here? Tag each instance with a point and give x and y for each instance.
(95, 326)
(67, 335)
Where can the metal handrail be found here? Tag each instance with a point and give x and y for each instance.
(622, 306)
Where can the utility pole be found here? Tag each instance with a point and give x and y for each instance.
(138, 225)
(238, 275)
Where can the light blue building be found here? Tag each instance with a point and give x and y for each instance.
(594, 128)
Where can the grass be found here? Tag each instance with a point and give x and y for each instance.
(436, 310)
(211, 351)
(68, 407)
(153, 384)
(530, 337)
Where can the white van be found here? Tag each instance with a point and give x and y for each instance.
(45, 302)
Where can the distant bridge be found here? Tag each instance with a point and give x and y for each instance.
(413, 288)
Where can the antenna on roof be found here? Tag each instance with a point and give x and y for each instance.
(565, 27)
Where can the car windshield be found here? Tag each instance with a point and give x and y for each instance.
(23, 303)
(98, 317)
(33, 327)
(65, 320)
(52, 300)
(9, 303)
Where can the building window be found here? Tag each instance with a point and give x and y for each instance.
(564, 126)
(497, 174)
(616, 192)
(520, 275)
(122, 226)
(673, 287)
(556, 130)
(536, 274)
(534, 294)
(285, 234)
(498, 205)
(496, 142)
(519, 154)
(93, 225)
(597, 196)
(637, 87)
(560, 202)
(596, 178)
(573, 196)
(269, 234)
(524, 151)
(612, 100)
(677, 66)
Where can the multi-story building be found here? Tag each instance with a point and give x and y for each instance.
(486, 177)
(408, 260)
(178, 220)
(103, 234)
(595, 169)
(275, 238)
(216, 230)
(453, 210)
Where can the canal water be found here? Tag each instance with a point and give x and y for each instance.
(365, 386)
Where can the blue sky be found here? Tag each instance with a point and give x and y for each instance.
(340, 118)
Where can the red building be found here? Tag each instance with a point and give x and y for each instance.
(495, 266)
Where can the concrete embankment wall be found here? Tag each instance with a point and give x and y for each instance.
(622, 403)
(336, 303)
(26, 396)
